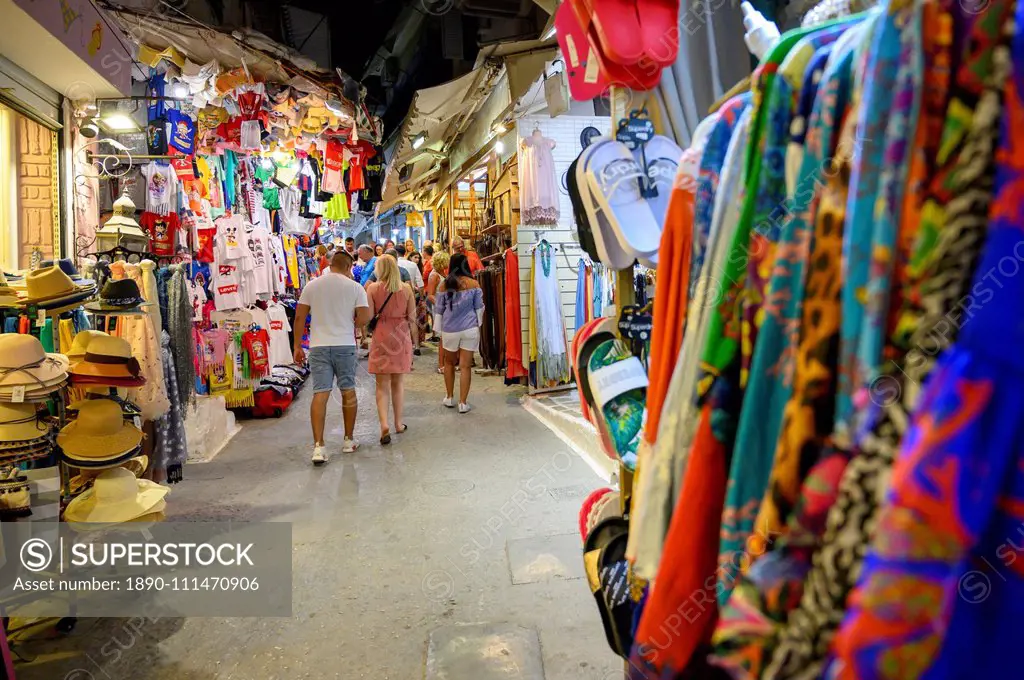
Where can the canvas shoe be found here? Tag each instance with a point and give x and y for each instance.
(319, 455)
(465, 408)
(449, 402)
(350, 446)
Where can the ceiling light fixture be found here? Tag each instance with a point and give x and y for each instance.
(119, 122)
(500, 128)
(499, 147)
(419, 140)
(179, 90)
(550, 34)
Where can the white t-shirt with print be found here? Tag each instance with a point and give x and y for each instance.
(280, 346)
(161, 188)
(332, 300)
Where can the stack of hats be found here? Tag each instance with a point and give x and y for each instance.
(119, 297)
(24, 435)
(27, 372)
(107, 360)
(8, 295)
(117, 496)
(99, 437)
(81, 343)
(52, 289)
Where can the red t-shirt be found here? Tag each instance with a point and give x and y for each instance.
(161, 230)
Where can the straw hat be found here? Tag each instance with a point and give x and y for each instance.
(19, 423)
(116, 496)
(51, 287)
(23, 362)
(94, 463)
(108, 356)
(99, 432)
(81, 342)
(123, 221)
(84, 479)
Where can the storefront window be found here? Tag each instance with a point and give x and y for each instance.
(29, 202)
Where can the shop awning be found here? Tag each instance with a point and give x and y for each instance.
(74, 49)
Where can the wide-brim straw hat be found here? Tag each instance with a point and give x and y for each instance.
(24, 362)
(100, 463)
(116, 496)
(52, 285)
(108, 357)
(20, 423)
(81, 343)
(100, 431)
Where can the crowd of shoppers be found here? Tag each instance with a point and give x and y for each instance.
(391, 298)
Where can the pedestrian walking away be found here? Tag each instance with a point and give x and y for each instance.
(336, 306)
(460, 311)
(393, 308)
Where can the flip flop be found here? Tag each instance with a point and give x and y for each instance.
(614, 177)
(662, 156)
(618, 387)
(606, 244)
(577, 342)
(584, 232)
(613, 26)
(599, 537)
(405, 426)
(587, 508)
(587, 77)
(659, 34)
(385, 438)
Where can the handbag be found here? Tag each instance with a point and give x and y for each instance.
(376, 317)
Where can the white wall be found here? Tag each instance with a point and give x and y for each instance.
(565, 131)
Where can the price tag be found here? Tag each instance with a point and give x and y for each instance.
(138, 421)
(18, 394)
(635, 131)
(41, 318)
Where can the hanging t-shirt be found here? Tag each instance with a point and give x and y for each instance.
(289, 212)
(155, 87)
(156, 137)
(204, 242)
(356, 161)
(374, 176)
(199, 272)
(279, 265)
(256, 239)
(183, 131)
(184, 168)
(334, 159)
(337, 208)
(257, 346)
(161, 188)
(215, 186)
(230, 165)
(291, 259)
(162, 230)
(285, 173)
(280, 345)
(196, 298)
(229, 237)
(227, 289)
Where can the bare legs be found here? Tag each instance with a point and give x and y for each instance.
(383, 396)
(349, 408)
(318, 415)
(449, 375)
(398, 399)
(465, 375)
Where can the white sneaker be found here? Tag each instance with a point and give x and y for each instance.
(449, 402)
(319, 455)
(350, 446)
(465, 408)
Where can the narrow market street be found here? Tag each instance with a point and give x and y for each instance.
(466, 519)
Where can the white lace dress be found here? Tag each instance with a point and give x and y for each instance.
(538, 188)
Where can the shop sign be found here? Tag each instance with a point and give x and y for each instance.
(414, 219)
(79, 26)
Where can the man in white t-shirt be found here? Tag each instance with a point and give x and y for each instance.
(409, 266)
(336, 305)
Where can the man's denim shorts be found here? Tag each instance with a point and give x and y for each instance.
(333, 364)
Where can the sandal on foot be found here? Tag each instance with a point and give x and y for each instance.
(405, 426)
(385, 438)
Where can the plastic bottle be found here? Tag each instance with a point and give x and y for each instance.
(761, 35)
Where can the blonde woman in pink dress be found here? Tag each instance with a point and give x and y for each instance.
(393, 304)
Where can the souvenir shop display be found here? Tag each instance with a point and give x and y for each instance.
(816, 351)
(538, 190)
(549, 347)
